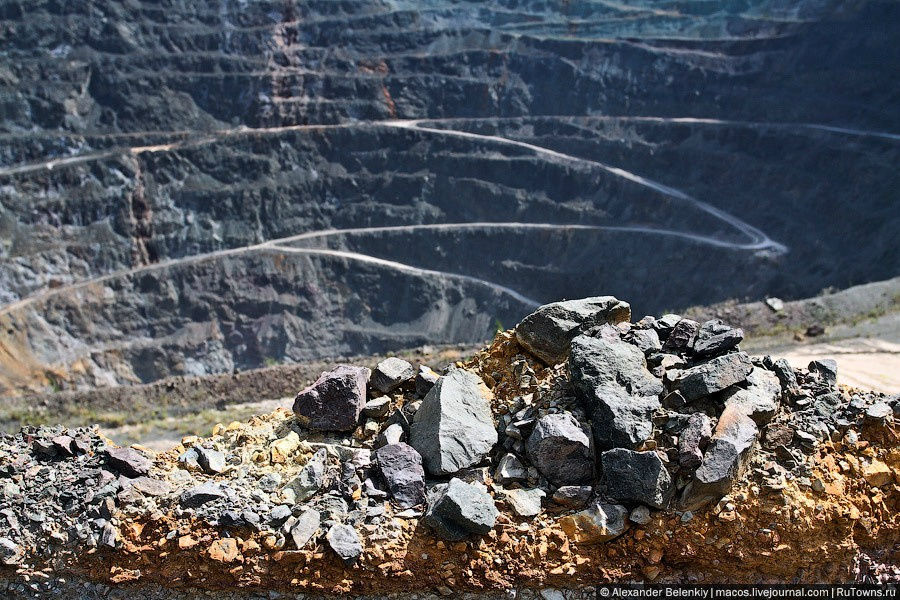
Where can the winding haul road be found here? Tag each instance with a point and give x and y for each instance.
(757, 240)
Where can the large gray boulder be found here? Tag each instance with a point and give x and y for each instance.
(560, 449)
(611, 379)
(457, 510)
(401, 469)
(714, 375)
(548, 331)
(636, 477)
(390, 374)
(335, 401)
(454, 429)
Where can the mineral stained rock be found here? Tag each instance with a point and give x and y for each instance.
(128, 461)
(335, 401)
(454, 428)
(561, 450)
(400, 467)
(600, 522)
(549, 330)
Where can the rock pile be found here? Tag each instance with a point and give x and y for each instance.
(578, 420)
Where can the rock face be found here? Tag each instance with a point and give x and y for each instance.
(620, 394)
(549, 330)
(561, 450)
(390, 374)
(335, 401)
(401, 469)
(714, 376)
(458, 509)
(600, 522)
(454, 429)
(636, 477)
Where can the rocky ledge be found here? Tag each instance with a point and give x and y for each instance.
(577, 448)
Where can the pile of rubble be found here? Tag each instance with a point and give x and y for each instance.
(569, 431)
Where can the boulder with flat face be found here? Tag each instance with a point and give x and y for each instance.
(714, 375)
(335, 401)
(390, 374)
(618, 392)
(548, 331)
(636, 477)
(457, 510)
(561, 450)
(401, 470)
(725, 458)
(453, 428)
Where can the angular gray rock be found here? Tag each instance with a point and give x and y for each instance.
(377, 408)
(724, 460)
(561, 450)
(311, 477)
(827, 370)
(715, 337)
(510, 469)
(454, 428)
(401, 469)
(201, 494)
(682, 336)
(646, 340)
(548, 331)
(786, 376)
(525, 502)
(345, 542)
(693, 439)
(128, 461)
(636, 477)
(600, 522)
(573, 496)
(596, 362)
(390, 374)
(425, 380)
(759, 400)
(392, 434)
(714, 375)
(210, 461)
(458, 509)
(335, 401)
(619, 393)
(305, 527)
